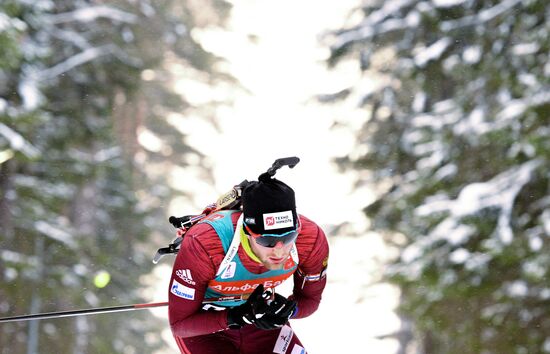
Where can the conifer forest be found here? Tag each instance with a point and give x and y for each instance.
(450, 123)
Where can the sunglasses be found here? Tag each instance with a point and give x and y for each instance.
(271, 240)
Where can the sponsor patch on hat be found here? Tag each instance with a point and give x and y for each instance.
(278, 220)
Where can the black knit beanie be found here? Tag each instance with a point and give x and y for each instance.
(269, 207)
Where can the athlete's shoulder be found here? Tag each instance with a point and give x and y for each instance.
(309, 233)
(308, 226)
(312, 246)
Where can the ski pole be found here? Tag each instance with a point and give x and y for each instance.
(59, 314)
(92, 311)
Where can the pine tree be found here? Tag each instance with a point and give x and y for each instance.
(78, 189)
(456, 115)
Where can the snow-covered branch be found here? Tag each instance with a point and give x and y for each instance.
(72, 37)
(28, 86)
(15, 257)
(517, 107)
(389, 8)
(499, 192)
(55, 233)
(481, 17)
(17, 142)
(376, 24)
(74, 61)
(433, 52)
(97, 157)
(84, 57)
(92, 13)
(367, 32)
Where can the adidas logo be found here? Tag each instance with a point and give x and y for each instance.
(185, 275)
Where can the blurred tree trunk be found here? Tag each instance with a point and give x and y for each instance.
(7, 191)
(428, 343)
(83, 209)
(127, 116)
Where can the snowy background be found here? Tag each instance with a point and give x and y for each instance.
(422, 126)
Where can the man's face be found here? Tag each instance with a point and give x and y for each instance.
(273, 258)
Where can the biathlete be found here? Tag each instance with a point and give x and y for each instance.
(222, 295)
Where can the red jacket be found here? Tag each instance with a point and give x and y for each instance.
(199, 258)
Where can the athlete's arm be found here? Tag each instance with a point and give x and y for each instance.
(310, 278)
(193, 268)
